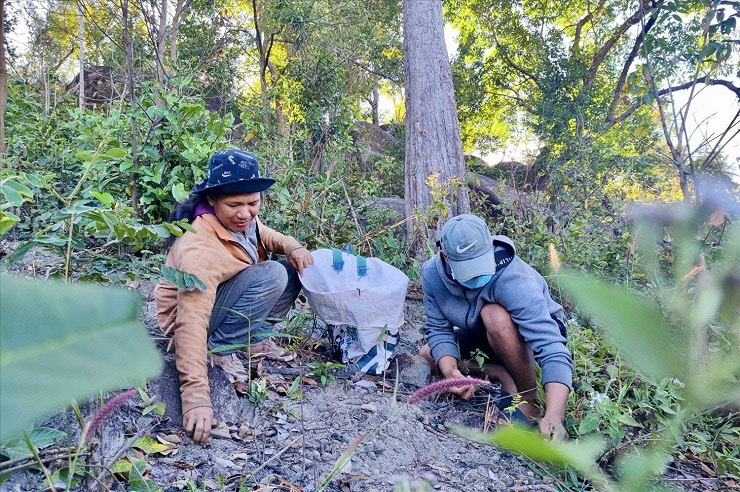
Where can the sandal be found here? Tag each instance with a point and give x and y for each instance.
(269, 350)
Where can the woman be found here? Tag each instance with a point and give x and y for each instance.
(229, 254)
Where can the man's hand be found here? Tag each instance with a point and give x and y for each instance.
(552, 428)
(300, 258)
(448, 368)
(197, 423)
(556, 398)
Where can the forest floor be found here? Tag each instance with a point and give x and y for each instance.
(291, 440)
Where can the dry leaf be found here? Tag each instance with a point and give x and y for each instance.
(693, 272)
(169, 439)
(717, 218)
(310, 382)
(554, 259)
(221, 431)
(239, 456)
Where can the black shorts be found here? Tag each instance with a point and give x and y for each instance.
(469, 342)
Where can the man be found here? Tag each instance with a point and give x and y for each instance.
(478, 295)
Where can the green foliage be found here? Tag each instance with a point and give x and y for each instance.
(181, 280)
(40, 437)
(685, 348)
(322, 370)
(65, 342)
(257, 390)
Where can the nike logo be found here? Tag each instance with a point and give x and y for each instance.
(463, 250)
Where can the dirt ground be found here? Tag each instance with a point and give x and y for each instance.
(290, 442)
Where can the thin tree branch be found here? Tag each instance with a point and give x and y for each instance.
(604, 50)
(628, 64)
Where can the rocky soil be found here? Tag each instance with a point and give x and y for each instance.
(292, 440)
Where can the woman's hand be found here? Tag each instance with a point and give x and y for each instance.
(197, 423)
(300, 258)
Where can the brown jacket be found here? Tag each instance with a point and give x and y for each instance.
(214, 256)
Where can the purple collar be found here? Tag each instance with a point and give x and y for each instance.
(203, 208)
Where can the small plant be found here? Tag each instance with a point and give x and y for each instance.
(152, 405)
(479, 357)
(258, 390)
(322, 370)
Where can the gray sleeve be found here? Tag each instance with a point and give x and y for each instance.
(520, 294)
(437, 329)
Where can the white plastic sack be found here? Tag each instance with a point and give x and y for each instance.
(367, 311)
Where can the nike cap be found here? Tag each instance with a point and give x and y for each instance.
(467, 244)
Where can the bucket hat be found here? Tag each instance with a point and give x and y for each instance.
(232, 172)
(468, 245)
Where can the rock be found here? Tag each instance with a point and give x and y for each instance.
(227, 406)
(224, 463)
(221, 432)
(369, 407)
(413, 369)
(364, 383)
(373, 140)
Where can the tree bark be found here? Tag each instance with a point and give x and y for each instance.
(3, 81)
(161, 41)
(129, 46)
(175, 28)
(259, 39)
(81, 79)
(432, 129)
(374, 105)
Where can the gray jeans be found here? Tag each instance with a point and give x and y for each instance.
(268, 288)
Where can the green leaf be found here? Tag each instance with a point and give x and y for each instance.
(157, 408)
(85, 156)
(580, 455)
(138, 485)
(105, 198)
(61, 342)
(6, 223)
(116, 153)
(40, 437)
(628, 420)
(20, 188)
(11, 195)
(635, 326)
(181, 280)
(589, 423)
(149, 445)
(36, 180)
(638, 468)
(179, 193)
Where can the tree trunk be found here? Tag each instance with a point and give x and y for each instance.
(129, 46)
(81, 79)
(374, 105)
(432, 129)
(161, 41)
(3, 81)
(259, 40)
(175, 27)
(279, 116)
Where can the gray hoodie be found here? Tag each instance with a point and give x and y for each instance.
(517, 287)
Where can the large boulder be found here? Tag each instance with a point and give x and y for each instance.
(227, 405)
(102, 84)
(372, 141)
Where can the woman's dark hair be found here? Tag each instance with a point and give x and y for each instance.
(183, 210)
